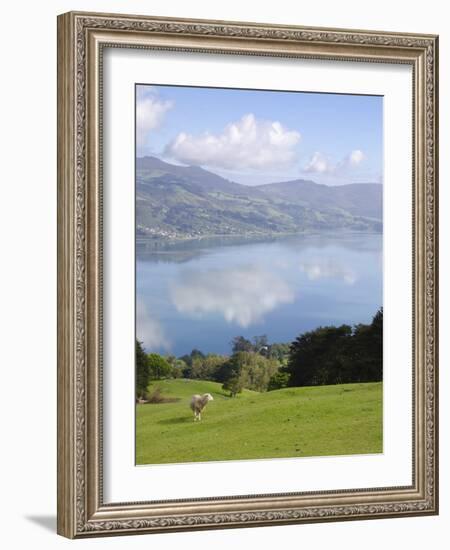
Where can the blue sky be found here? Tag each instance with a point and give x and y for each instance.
(256, 136)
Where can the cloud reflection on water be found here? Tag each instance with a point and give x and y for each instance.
(328, 268)
(242, 295)
(149, 330)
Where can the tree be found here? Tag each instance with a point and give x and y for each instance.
(367, 350)
(142, 370)
(247, 369)
(258, 344)
(257, 371)
(231, 372)
(197, 353)
(207, 368)
(234, 385)
(188, 360)
(319, 357)
(337, 355)
(225, 370)
(279, 351)
(178, 366)
(261, 344)
(239, 343)
(278, 380)
(159, 367)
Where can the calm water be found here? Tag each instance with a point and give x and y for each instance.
(201, 295)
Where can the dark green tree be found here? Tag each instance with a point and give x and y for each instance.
(367, 350)
(337, 355)
(234, 385)
(142, 370)
(231, 375)
(319, 357)
(224, 371)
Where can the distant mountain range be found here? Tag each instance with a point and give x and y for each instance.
(187, 202)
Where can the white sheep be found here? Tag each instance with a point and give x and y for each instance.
(198, 403)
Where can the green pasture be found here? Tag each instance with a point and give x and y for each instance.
(292, 422)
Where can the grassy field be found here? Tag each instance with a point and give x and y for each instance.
(292, 422)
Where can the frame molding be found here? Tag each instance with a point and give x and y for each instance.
(81, 37)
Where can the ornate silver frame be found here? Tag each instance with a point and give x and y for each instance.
(81, 510)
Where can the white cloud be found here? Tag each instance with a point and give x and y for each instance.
(149, 330)
(150, 113)
(320, 164)
(355, 157)
(241, 295)
(328, 269)
(247, 143)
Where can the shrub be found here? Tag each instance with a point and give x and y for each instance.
(278, 380)
(156, 397)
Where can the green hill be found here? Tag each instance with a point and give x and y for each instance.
(187, 202)
(358, 199)
(292, 422)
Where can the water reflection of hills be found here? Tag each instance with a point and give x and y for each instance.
(186, 250)
(164, 251)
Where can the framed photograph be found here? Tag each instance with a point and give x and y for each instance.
(247, 274)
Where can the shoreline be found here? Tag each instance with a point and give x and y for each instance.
(156, 243)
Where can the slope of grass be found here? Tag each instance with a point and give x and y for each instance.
(292, 422)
